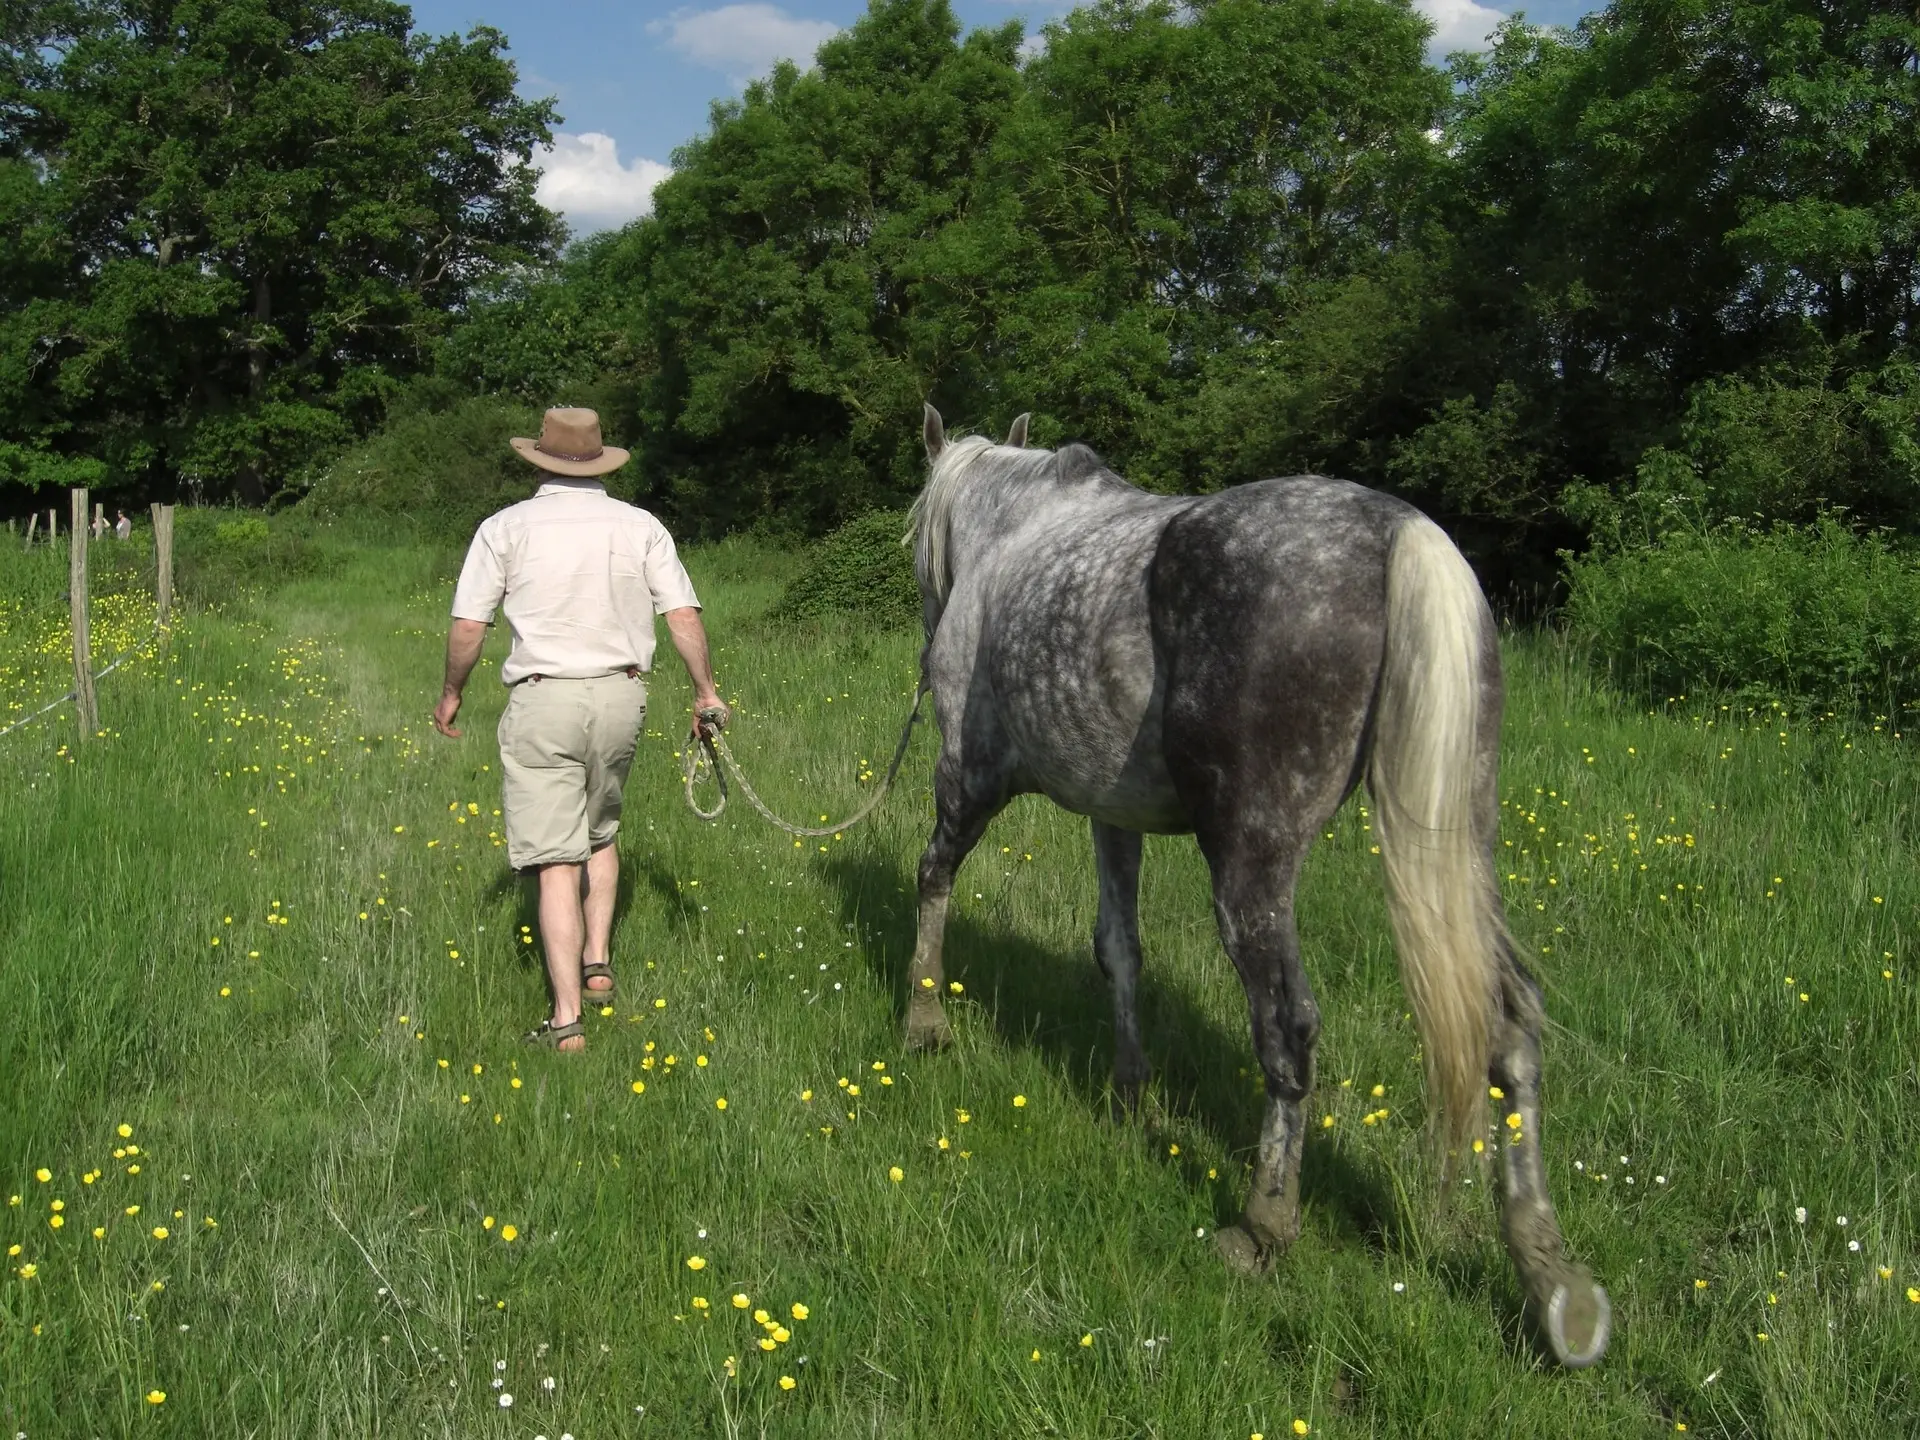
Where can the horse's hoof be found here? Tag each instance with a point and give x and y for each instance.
(1579, 1321)
(1241, 1252)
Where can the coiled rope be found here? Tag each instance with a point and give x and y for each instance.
(712, 749)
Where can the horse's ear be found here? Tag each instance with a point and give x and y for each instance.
(1017, 432)
(933, 433)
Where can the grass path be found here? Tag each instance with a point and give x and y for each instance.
(264, 925)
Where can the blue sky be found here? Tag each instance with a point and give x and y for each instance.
(635, 80)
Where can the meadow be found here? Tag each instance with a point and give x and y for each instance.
(278, 1164)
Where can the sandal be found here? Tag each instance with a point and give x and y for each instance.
(596, 972)
(550, 1035)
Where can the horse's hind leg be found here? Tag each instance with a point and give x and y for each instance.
(1116, 947)
(1253, 900)
(965, 803)
(1572, 1310)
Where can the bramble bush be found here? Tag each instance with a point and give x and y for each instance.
(437, 471)
(1818, 614)
(220, 552)
(860, 570)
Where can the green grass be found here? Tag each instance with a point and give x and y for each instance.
(325, 1169)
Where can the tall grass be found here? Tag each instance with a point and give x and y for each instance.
(335, 1121)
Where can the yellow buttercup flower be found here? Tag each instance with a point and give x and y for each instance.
(740, 1302)
(509, 1233)
(1019, 1102)
(159, 1232)
(787, 1382)
(896, 1174)
(43, 1175)
(696, 1262)
(156, 1397)
(799, 1311)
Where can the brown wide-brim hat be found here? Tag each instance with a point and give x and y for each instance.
(569, 444)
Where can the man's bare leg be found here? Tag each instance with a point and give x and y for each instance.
(562, 935)
(603, 888)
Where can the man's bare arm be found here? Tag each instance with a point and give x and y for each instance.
(690, 639)
(464, 639)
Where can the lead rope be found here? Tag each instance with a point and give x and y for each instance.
(716, 750)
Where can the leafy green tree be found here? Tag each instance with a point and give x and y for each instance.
(1180, 182)
(1681, 190)
(254, 218)
(786, 266)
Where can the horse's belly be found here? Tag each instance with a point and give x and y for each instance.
(1104, 772)
(1150, 808)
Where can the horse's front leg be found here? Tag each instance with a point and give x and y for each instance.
(1116, 948)
(966, 799)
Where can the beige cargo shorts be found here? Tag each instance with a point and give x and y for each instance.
(565, 746)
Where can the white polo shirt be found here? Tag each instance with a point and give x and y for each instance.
(580, 576)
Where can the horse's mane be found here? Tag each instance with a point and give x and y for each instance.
(970, 462)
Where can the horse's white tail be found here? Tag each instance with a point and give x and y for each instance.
(1447, 918)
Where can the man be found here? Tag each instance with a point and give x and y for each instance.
(580, 576)
(122, 526)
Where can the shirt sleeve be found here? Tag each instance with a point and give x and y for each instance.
(483, 579)
(667, 578)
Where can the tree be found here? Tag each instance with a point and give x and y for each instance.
(253, 218)
(1687, 189)
(786, 266)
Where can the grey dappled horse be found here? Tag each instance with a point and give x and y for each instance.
(1234, 665)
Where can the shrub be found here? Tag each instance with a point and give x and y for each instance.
(861, 569)
(1816, 613)
(219, 553)
(439, 471)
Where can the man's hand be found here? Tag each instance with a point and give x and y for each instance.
(710, 717)
(464, 639)
(443, 715)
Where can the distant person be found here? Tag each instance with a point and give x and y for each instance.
(122, 526)
(580, 576)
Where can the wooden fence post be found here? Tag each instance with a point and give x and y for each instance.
(88, 710)
(163, 560)
(53, 526)
(33, 524)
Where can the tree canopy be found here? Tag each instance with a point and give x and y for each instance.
(231, 228)
(1664, 261)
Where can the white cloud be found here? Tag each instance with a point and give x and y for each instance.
(1459, 24)
(582, 177)
(743, 41)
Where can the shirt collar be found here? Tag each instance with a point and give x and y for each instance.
(570, 487)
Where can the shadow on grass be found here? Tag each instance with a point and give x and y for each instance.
(1056, 1002)
(524, 886)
